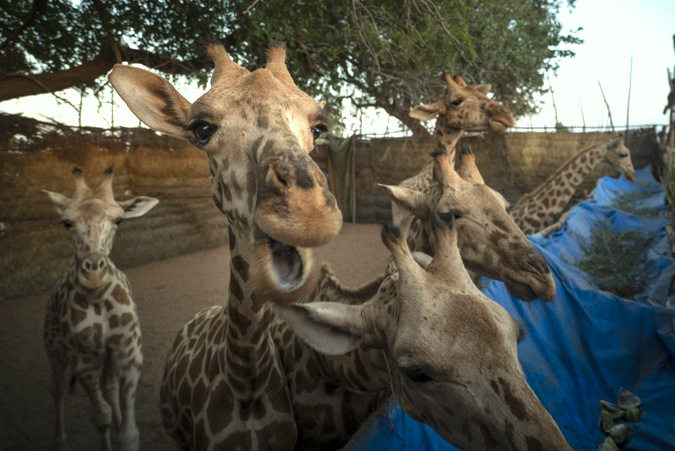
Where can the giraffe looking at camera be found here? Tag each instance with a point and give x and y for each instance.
(91, 330)
(223, 385)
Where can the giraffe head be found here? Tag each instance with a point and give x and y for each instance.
(450, 353)
(617, 155)
(490, 242)
(257, 129)
(465, 107)
(92, 217)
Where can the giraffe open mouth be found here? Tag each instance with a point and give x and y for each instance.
(286, 264)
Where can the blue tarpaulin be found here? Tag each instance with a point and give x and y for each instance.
(587, 343)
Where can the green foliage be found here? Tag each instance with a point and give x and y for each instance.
(383, 53)
(616, 260)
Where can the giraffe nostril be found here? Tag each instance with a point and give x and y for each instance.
(277, 178)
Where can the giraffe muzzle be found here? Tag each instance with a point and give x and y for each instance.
(295, 206)
(93, 271)
(500, 122)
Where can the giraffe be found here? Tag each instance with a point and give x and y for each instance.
(491, 243)
(91, 332)
(541, 207)
(462, 108)
(328, 408)
(223, 386)
(429, 336)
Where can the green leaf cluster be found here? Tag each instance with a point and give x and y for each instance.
(383, 53)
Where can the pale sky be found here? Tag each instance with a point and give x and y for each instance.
(613, 32)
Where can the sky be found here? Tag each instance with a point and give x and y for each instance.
(614, 32)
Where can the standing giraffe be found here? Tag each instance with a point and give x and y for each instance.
(490, 242)
(223, 385)
(462, 108)
(429, 336)
(91, 328)
(542, 206)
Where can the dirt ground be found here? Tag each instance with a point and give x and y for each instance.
(167, 293)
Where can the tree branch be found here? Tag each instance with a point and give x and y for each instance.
(17, 85)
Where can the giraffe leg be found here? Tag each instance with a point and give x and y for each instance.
(129, 435)
(111, 389)
(58, 389)
(91, 380)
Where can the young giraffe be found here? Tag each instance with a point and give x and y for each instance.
(91, 328)
(490, 242)
(462, 108)
(429, 336)
(223, 385)
(542, 206)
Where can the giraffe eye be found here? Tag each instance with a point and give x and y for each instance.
(203, 131)
(317, 130)
(448, 217)
(67, 224)
(416, 374)
(118, 221)
(457, 102)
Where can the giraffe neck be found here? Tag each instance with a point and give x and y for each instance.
(571, 174)
(115, 284)
(246, 318)
(446, 137)
(541, 207)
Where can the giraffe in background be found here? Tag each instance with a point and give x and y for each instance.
(223, 385)
(540, 208)
(91, 330)
(490, 242)
(462, 108)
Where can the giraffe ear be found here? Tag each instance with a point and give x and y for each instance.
(60, 201)
(138, 206)
(409, 201)
(484, 88)
(429, 111)
(152, 99)
(329, 327)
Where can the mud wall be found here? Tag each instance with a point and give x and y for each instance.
(35, 250)
(513, 164)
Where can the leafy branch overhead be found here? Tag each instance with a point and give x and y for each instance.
(383, 53)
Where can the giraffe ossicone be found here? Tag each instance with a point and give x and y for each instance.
(91, 329)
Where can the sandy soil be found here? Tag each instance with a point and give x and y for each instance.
(167, 293)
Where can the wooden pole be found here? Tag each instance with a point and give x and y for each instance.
(555, 109)
(630, 84)
(583, 119)
(611, 123)
(353, 179)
